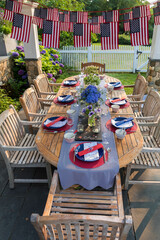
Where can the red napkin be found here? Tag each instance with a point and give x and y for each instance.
(91, 149)
(53, 122)
(117, 100)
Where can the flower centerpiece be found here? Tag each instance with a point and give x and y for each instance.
(91, 70)
(91, 95)
(92, 79)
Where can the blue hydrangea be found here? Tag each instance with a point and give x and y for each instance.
(15, 54)
(91, 94)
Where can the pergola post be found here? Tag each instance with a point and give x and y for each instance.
(153, 72)
(31, 49)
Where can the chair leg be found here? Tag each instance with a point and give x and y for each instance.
(127, 177)
(49, 173)
(11, 177)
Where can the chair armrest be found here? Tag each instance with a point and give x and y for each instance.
(45, 100)
(148, 118)
(149, 124)
(36, 114)
(51, 194)
(55, 84)
(134, 96)
(30, 122)
(48, 93)
(137, 102)
(129, 86)
(147, 149)
(19, 148)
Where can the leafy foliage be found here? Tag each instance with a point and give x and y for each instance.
(91, 69)
(92, 79)
(5, 101)
(5, 26)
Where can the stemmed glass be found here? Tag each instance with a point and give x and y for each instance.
(78, 94)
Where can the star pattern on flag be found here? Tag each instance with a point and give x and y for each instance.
(109, 16)
(18, 20)
(105, 29)
(37, 12)
(43, 13)
(47, 27)
(95, 19)
(73, 17)
(156, 11)
(9, 5)
(135, 26)
(78, 29)
(61, 17)
(126, 17)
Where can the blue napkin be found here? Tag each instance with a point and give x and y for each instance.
(65, 98)
(124, 121)
(116, 84)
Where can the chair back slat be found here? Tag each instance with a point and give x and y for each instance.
(11, 131)
(152, 105)
(42, 85)
(29, 102)
(140, 86)
(99, 65)
(156, 133)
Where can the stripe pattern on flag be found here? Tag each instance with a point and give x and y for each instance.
(141, 11)
(156, 15)
(109, 35)
(127, 17)
(51, 34)
(111, 16)
(95, 24)
(10, 8)
(82, 35)
(21, 27)
(64, 26)
(139, 31)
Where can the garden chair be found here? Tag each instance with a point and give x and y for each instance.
(18, 148)
(32, 106)
(149, 158)
(139, 89)
(149, 113)
(45, 88)
(80, 214)
(99, 65)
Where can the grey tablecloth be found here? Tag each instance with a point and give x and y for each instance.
(102, 176)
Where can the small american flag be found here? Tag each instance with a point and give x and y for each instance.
(77, 17)
(36, 18)
(21, 27)
(64, 19)
(109, 35)
(156, 15)
(10, 8)
(82, 35)
(111, 16)
(141, 11)
(49, 14)
(139, 31)
(95, 23)
(127, 17)
(51, 34)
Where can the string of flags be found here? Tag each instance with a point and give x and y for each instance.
(52, 22)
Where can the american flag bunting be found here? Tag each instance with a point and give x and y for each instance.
(51, 34)
(10, 8)
(127, 17)
(64, 19)
(139, 31)
(82, 35)
(156, 15)
(111, 16)
(77, 17)
(36, 18)
(109, 35)
(50, 14)
(21, 27)
(141, 11)
(95, 23)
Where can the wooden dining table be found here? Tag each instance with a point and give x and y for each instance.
(49, 144)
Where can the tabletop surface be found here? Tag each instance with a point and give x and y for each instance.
(49, 144)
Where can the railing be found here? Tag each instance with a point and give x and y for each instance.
(125, 59)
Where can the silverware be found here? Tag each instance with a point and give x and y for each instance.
(104, 153)
(74, 158)
(108, 149)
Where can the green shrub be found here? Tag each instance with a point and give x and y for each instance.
(5, 101)
(124, 39)
(5, 26)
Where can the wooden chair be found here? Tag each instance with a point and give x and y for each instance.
(139, 89)
(18, 148)
(80, 214)
(99, 65)
(149, 113)
(45, 88)
(149, 158)
(32, 106)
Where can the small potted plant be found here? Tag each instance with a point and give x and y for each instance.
(91, 69)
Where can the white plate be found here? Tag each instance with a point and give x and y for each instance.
(119, 102)
(61, 99)
(56, 125)
(70, 82)
(124, 125)
(113, 84)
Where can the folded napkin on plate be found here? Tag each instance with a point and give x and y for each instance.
(64, 99)
(124, 121)
(91, 155)
(70, 82)
(90, 149)
(54, 121)
(115, 84)
(117, 100)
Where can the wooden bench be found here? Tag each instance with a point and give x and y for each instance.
(80, 214)
(149, 158)
(18, 148)
(99, 65)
